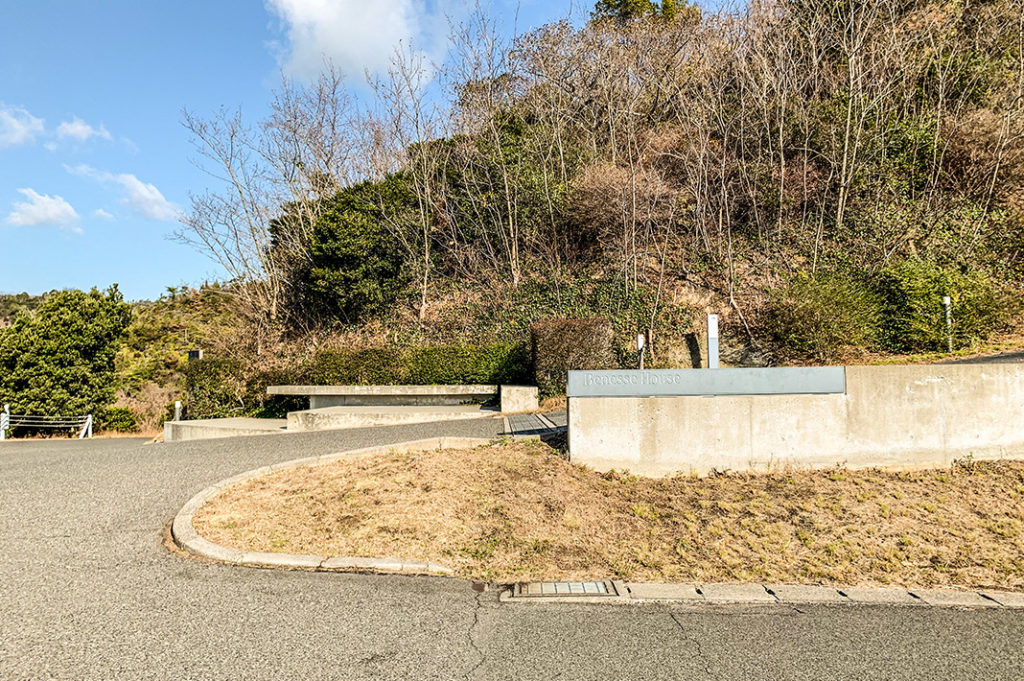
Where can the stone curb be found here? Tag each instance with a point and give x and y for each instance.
(186, 538)
(783, 594)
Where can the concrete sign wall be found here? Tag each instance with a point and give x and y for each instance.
(896, 416)
(678, 382)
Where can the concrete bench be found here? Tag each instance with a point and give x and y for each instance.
(512, 398)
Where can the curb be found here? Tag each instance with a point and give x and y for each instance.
(186, 538)
(637, 593)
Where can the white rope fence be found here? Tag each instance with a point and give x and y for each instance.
(81, 424)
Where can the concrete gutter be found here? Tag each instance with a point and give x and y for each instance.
(636, 593)
(188, 539)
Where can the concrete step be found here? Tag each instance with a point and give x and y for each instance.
(535, 426)
(336, 418)
(204, 429)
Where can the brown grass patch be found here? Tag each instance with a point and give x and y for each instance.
(510, 512)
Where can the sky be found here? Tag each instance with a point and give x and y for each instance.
(95, 166)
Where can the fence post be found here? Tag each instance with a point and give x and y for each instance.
(5, 421)
(86, 428)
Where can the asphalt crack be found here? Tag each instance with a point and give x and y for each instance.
(701, 655)
(472, 639)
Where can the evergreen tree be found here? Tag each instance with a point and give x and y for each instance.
(624, 9)
(59, 359)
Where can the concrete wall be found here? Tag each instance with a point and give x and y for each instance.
(396, 400)
(322, 396)
(514, 398)
(893, 416)
(205, 429)
(519, 398)
(336, 418)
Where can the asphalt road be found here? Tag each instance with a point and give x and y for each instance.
(87, 591)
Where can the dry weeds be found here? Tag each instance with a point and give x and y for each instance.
(510, 512)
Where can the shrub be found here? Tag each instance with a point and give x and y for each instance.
(373, 366)
(821, 318)
(458, 364)
(58, 360)
(261, 405)
(119, 420)
(560, 345)
(914, 319)
(440, 365)
(214, 388)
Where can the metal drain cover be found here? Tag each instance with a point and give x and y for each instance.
(564, 589)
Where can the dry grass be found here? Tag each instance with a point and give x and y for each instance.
(511, 512)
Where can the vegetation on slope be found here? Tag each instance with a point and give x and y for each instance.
(820, 174)
(861, 153)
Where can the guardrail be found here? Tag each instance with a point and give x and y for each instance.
(8, 421)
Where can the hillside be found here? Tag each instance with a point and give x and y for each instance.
(822, 175)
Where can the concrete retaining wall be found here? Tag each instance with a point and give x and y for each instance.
(336, 418)
(205, 429)
(893, 416)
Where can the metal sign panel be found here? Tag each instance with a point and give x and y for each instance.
(682, 382)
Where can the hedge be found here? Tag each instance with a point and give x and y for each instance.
(118, 420)
(897, 309)
(561, 345)
(221, 387)
(214, 388)
(441, 365)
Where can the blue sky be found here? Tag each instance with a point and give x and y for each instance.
(94, 163)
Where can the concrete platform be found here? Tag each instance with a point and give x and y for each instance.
(336, 418)
(205, 429)
(324, 396)
(512, 398)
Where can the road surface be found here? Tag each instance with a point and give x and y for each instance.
(88, 591)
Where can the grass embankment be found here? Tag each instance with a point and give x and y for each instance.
(510, 512)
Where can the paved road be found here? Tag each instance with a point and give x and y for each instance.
(87, 591)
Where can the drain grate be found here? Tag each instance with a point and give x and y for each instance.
(569, 589)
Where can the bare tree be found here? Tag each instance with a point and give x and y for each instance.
(270, 181)
(407, 121)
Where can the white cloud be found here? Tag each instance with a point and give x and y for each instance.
(80, 130)
(146, 200)
(142, 198)
(42, 209)
(356, 35)
(102, 214)
(18, 126)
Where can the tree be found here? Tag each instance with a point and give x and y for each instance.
(627, 10)
(624, 9)
(355, 267)
(59, 359)
(303, 152)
